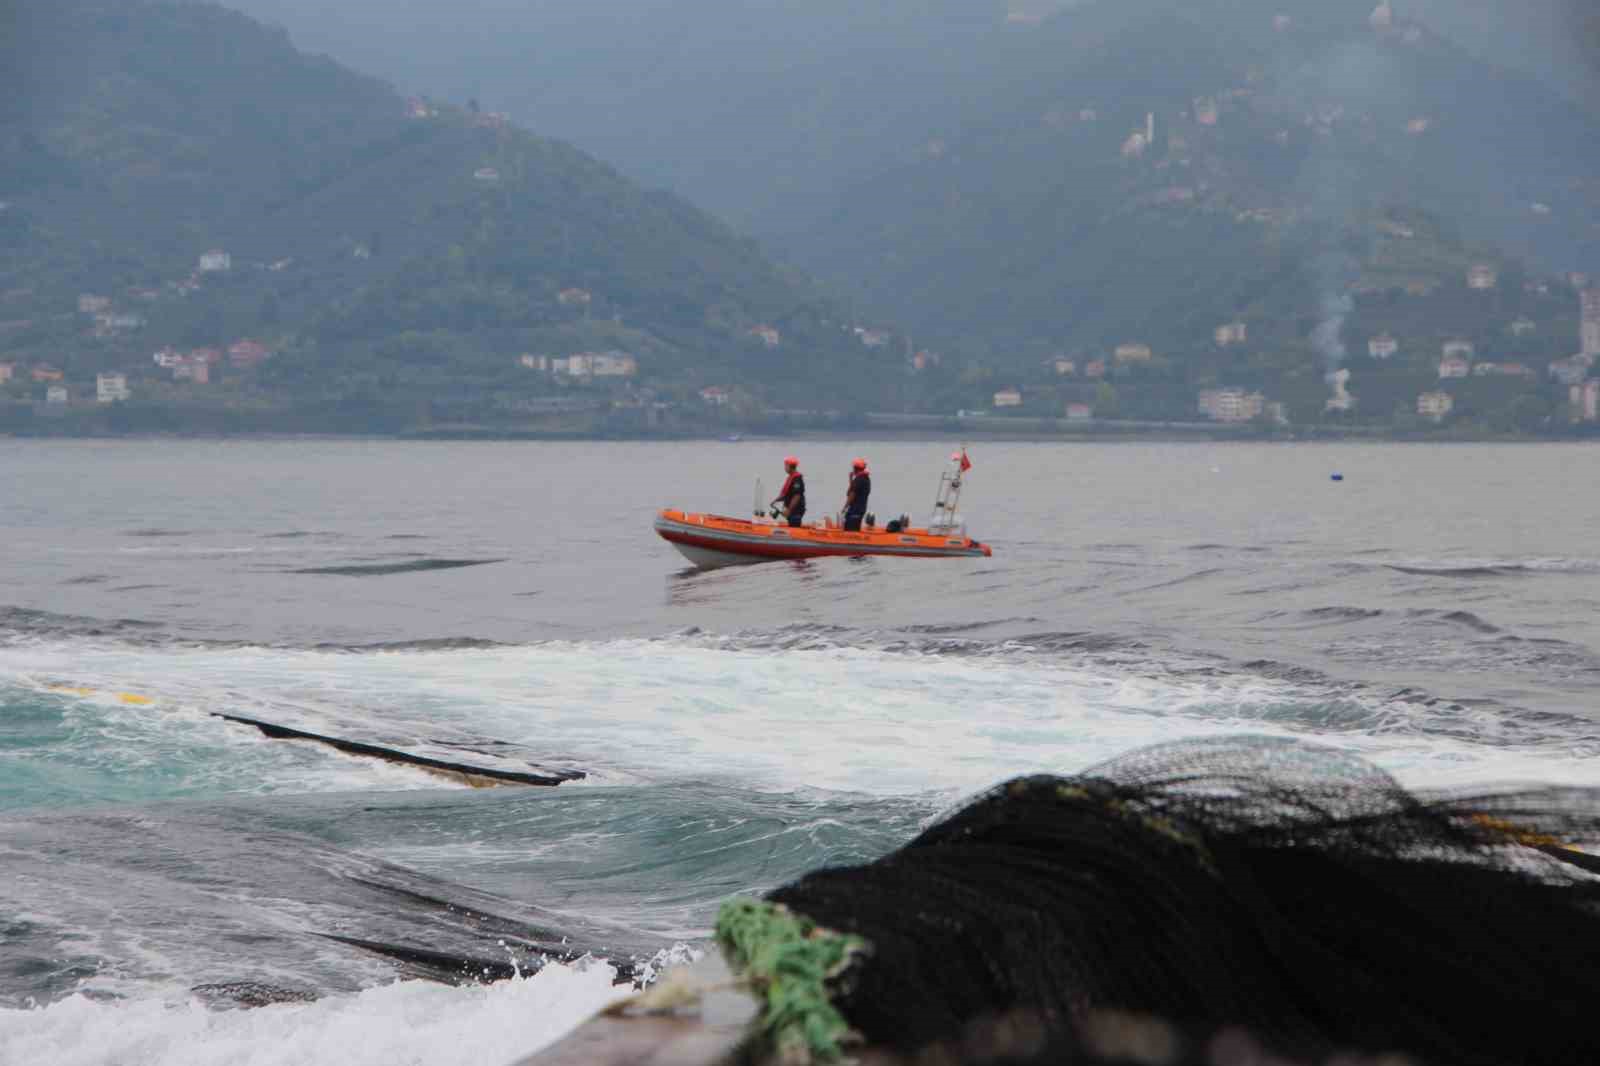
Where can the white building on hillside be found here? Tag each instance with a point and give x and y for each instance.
(1435, 405)
(1589, 329)
(110, 388)
(1231, 405)
(1231, 333)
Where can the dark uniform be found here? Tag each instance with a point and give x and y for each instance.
(855, 508)
(793, 498)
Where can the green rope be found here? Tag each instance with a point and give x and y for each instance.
(789, 958)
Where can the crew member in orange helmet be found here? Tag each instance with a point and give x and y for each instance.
(855, 500)
(793, 495)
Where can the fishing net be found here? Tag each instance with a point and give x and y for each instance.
(1258, 885)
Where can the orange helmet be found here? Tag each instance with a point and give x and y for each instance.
(859, 464)
(790, 460)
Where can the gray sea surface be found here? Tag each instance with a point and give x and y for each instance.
(508, 603)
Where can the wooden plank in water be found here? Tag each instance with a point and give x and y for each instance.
(477, 776)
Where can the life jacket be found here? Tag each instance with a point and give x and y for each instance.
(858, 501)
(794, 485)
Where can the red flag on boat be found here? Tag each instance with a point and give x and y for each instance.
(961, 456)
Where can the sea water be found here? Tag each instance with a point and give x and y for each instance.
(163, 870)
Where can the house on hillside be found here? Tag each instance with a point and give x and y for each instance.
(56, 396)
(1230, 405)
(416, 107)
(44, 372)
(766, 335)
(1459, 349)
(1482, 276)
(925, 359)
(574, 297)
(1589, 324)
(1570, 371)
(1518, 370)
(1435, 405)
(612, 364)
(715, 395)
(1008, 398)
(215, 261)
(1133, 353)
(1454, 367)
(486, 175)
(110, 323)
(1063, 367)
(872, 338)
(1584, 400)
(1205, 110)
(1382, 17)
(247, 353)
(1231, 333)
(195, 370)
(90, 304)
(1095, 368)
(110, 388)
(1524, 326)
(1382, 346)
(7, 371)
(1282, 23)
(1079, 412)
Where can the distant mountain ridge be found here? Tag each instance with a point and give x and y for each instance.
(926, 160)
(1038, 227)
(1234, 194)
(391, 252)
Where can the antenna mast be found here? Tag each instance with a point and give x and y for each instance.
(947, 505)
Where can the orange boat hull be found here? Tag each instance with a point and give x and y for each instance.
(713, 540)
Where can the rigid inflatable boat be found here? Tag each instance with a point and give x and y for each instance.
(710, 540)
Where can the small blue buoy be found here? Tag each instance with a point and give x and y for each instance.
(1336, 477)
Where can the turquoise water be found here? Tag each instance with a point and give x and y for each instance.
(1434, 613)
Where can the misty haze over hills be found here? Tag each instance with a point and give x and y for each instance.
(958, 204)
(760, 109)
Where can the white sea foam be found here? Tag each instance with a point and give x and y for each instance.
(855, 720)
(404, 1024)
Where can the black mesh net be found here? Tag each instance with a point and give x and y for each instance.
(1286, 890)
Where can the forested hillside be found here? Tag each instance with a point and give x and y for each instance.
(1113, 207)
(393, 255)
(1284, 135)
